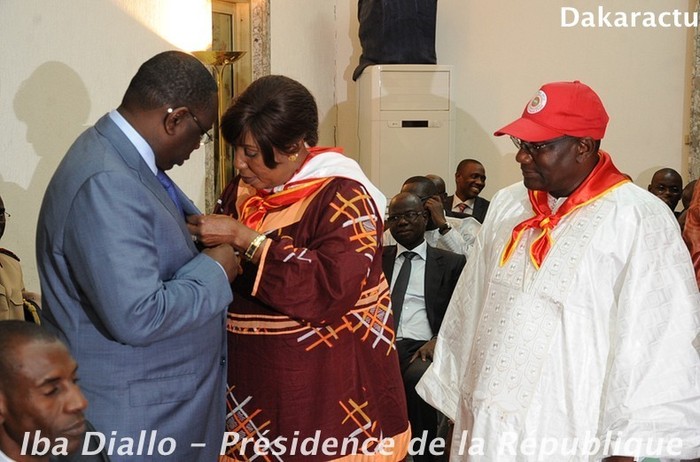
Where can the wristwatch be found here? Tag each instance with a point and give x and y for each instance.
(444, 228)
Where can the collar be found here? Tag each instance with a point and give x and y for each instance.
(603, 178)
(136, 139)
(421, 250)
(469, 202)
(327, 162)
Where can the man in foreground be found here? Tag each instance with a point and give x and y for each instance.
(570, 335)
(41, 405)
(142, 310)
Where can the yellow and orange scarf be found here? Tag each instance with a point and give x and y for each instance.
(255, 208)
(604, 178)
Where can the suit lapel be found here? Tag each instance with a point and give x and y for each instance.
(448, 206)
(131, 157)
(388, 259)
(433, 265)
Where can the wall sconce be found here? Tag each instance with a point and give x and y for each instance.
(223, 164)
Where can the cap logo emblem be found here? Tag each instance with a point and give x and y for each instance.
(537, 103)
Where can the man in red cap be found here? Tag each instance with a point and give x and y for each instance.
(573, 332)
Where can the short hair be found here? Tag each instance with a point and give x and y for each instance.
(277, 111)
(171, 78)
(13, 333)
(406, 196)
(667, 171)
(438, 181)
(424, 184)
(464, 162)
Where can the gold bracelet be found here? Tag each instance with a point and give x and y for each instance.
(254, 246)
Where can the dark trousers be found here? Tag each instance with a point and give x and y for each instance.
(422, 416)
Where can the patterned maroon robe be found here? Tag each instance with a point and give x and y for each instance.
(311, 339)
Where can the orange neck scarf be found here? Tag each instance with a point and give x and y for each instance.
(604, 178)
(256, 207)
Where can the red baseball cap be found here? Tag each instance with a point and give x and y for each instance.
(558, 109)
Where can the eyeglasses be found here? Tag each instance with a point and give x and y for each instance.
(408, 216)
(205, 137)
(4, 214)
(535, 148)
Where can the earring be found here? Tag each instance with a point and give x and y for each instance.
(293, 157)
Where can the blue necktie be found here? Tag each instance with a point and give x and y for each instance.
(170, 189)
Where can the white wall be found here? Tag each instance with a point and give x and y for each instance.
(303, 47)
(63, 64)
(503, 50)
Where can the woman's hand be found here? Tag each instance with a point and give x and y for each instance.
(211, 230)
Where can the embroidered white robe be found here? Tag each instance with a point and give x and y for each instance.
(601, 342)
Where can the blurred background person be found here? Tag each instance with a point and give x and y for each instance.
(470, 179)
(443, 232)
(686, 197)
(15, 301)
(311, 336)
(691, 232)
(441, 189)
(667, 185)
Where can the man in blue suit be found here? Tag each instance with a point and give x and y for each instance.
(141, 308)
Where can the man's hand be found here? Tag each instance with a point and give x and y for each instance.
(426, 351)
(227, 258)
(437, 211)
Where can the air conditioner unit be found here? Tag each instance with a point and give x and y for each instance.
(406, 123)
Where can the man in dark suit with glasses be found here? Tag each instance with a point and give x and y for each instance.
(422, 279)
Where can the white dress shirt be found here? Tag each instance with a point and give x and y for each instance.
(469, 205)
(414, 317)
